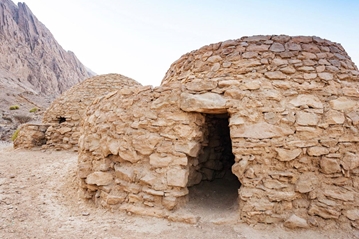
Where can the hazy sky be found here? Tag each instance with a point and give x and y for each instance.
(141, 38)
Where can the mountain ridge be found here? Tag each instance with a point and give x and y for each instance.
(34, 68)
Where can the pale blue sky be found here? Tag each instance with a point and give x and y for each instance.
(141, 38)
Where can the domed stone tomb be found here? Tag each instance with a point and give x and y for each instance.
(66, 112)
(277, 112)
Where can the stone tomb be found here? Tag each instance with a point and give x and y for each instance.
(278, 112)
(60, 129)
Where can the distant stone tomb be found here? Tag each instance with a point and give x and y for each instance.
(66, 112)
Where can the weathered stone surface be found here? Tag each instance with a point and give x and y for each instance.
(189, 148)
(352, 214)
(306, 182)
(157, 160)
(352, 92)
(201, 85)
(146, 148)
(129, 155)
(124, 172)
(307, 119)
(287, 154)
(293, 46)
(342, 103)
(277, 47)
(317, 151)
(325, 76)
(280, 196)
(354, 117)
(288, 70)
(275, 75)
(340, 195)
(249, 54)
(260, 130)
(254, 47)
(334, 117)
(307, 100)
(350, 161)
(329, 165)
(64, 130)
(296, 222)
(99, 178)
(326, 213)
(204, 103)
(177, 177)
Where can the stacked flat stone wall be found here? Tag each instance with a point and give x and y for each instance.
(135, 150)
(30, 136)
(66, 112)
(293, 118)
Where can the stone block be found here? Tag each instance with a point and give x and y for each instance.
(190, 148)
(277, 47)
(329, 165)
(343, 103)
(326, 213)
(340, 194)
(334, 117)
(156, 160)
(287, 154)
(325, 76)
(350, 161)
(307, 119)
(278, 196)
(352, 214)
(275, 75)
(295, 222)
(177, 177)
(307, 182)
(317, 151)
(201, 85)
(254, 47)
(145, 144)
(128, 155)
(99, 178)
(260, 130)
(124, 172)
(203, 103)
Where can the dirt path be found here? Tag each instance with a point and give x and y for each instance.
(38, 199)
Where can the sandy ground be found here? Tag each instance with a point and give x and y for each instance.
(38, 199)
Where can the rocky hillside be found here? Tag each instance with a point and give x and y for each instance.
(34, 68)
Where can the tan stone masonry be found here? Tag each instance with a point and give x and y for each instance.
(278, 112)
(291, 104)
(66, 112)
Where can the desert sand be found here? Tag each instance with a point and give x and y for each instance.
(39, 199)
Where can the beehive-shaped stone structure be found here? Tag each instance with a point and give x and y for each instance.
(66, 112)
(278, 112)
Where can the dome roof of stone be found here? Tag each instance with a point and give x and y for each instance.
(277, 113)
(274, 57)
(73, 103)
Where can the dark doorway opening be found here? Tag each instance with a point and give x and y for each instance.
(62, 119)
(212, 185)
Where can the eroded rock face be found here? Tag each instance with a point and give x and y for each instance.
(31, 55)
(34, 68)
(291, 106)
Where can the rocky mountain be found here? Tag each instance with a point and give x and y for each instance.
(34, 68)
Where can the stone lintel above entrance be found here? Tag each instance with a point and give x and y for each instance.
(209, 103)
